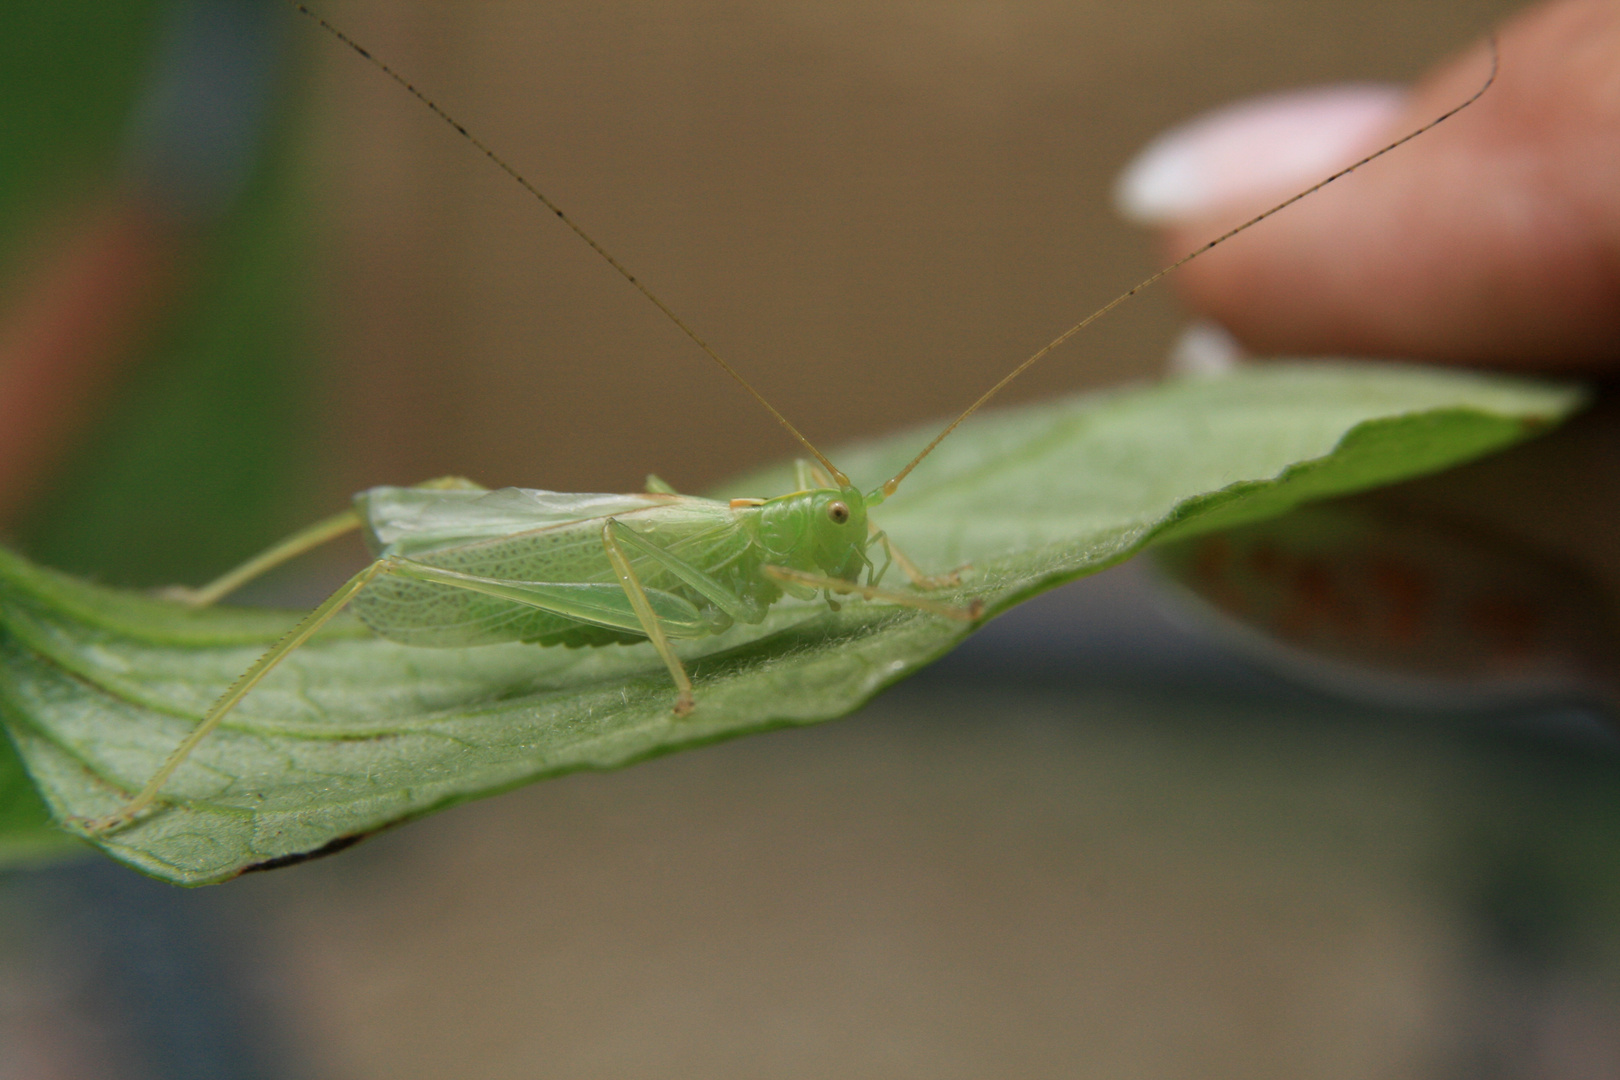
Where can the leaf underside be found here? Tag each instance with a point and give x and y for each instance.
(355, 733)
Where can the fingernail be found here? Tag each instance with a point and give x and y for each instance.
(1205, 349)
(1253, 148)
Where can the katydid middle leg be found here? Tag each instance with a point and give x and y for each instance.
(650, 624)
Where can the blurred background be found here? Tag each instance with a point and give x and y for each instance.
(874, 210)
(242, 276)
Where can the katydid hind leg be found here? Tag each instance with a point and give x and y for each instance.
(298, 543)
(569, 600)
(237, 691)
(293, 546)
(653, 613)
(591, 603)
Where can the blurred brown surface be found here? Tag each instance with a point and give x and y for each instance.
(874, 210)
(957, 885)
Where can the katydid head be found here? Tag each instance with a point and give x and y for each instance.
(822, 530)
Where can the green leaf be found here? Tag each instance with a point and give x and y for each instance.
(26, 830)
(355, 733)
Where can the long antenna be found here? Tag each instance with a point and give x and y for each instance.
(836, 473)
(890, 485)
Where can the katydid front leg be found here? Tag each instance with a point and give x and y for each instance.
(910, 569)
(808, 473)
(868, 592)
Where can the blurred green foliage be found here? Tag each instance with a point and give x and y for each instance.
(195, 459)
(69, 70)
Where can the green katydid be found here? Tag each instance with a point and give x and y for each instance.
(458, 565)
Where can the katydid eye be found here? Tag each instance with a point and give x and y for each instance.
(838, 512)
